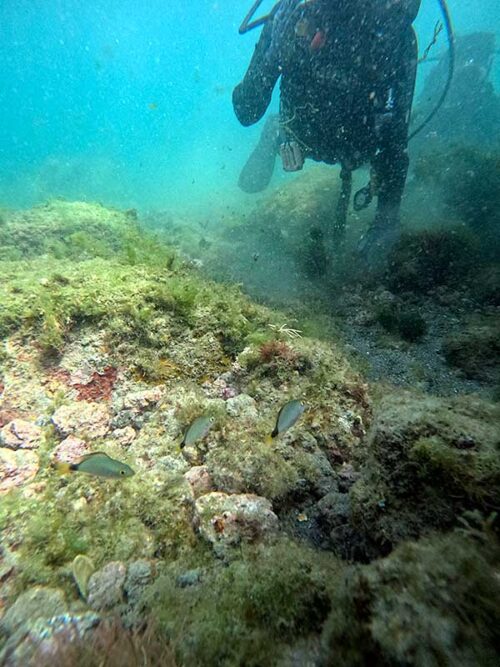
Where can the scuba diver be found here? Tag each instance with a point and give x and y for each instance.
(347, 71)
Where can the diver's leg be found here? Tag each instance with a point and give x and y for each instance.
(391, 168)
(339, 221)
(259, 167)
(391, 162)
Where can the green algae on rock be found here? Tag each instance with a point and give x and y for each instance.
(432, 602)
(246, 611)
(476, 350)
(423, 260)
(424, 461)
(237, 582)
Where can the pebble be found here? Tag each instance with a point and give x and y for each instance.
(106, 586)
(43, 637)
(199, 479)
(243, 406)
(79, 504)
(142, 400)
(82, 417)
(20, 434)
(227, 520)
(139, 575)
(70, 449)
(17, 467)
(188, 578)
(125, 436)
(174, 464)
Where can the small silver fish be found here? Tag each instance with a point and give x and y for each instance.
(197, 430)
(98, 464)
(287, 416)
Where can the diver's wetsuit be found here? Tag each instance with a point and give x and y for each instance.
(347, 72)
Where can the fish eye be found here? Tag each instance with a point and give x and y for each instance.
(122, 472)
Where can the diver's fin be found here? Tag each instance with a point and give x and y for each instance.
(259, 167)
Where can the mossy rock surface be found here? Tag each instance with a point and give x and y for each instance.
(476, 350)
(67, 229)
(124, 324)
(247, 612)
(424, 461)
(423, 260)
(430, 603)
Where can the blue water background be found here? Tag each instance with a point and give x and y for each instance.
(129, 103)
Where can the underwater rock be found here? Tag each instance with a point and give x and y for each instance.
(20, 434)
(416, 474)
(173, 464)
(16, 467)
(125, 436)
(333, 518)
(423, 260)
(189, 578)
(42, 638)
(32, 604)
(192, 455)
(199, 479)
(89, 418)
(83, 568)
(243, 406)
(431, 602)
(220, 388)
(346, 477)
(139, 575)
(476, 351)
(227, 520)
(106, 586)
(70, 449)
(139, 401)
(98, 387)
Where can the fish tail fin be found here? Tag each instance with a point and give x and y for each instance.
(62, 468)
(269, 440)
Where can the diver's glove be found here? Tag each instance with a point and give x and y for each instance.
(292, 156)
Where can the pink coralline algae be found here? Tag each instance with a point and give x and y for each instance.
(89, 418)
(70, 450)
(20, 434)
(219, 388)
(99, 387)
(16, 468)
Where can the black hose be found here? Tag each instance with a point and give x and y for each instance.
(246, 25)
(451, 67)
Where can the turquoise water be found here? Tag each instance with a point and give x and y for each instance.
(130, 103)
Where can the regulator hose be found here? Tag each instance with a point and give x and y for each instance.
(451, 67)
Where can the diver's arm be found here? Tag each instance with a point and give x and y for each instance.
(252, 96)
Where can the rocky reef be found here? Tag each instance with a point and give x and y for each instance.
(364, 534)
